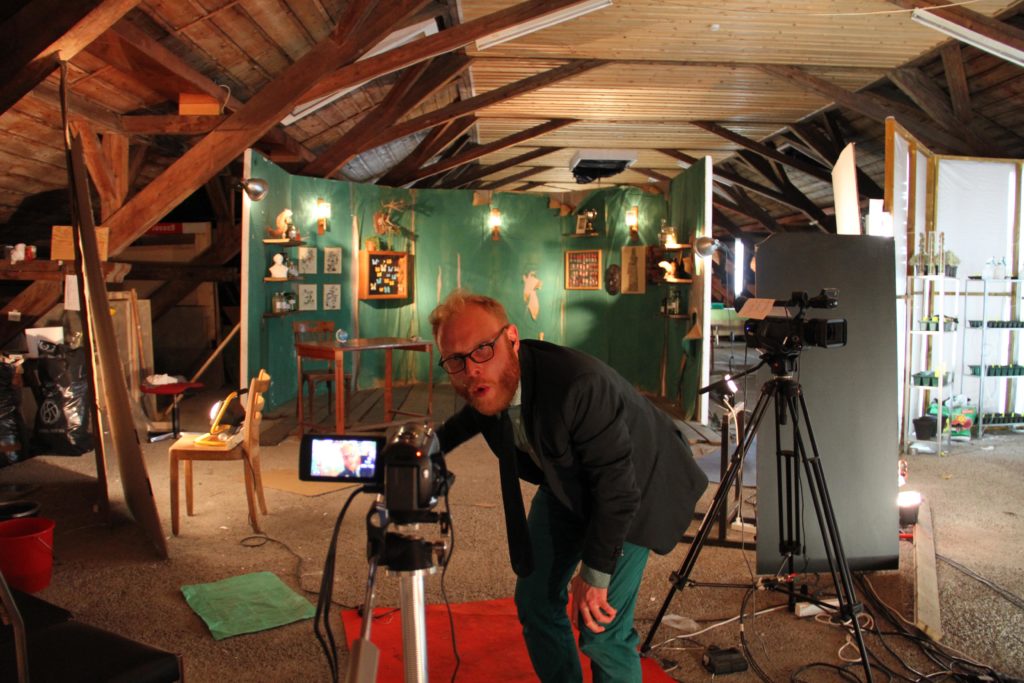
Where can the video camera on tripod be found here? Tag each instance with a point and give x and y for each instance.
(407, 473)
(782, 338)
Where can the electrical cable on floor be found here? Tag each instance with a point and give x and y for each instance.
(444, 567)
(260, 540)
(1011, 598)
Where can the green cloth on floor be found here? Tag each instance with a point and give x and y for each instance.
(246, 604)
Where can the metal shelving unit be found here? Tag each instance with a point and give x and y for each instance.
(932, 351)
(994, 324)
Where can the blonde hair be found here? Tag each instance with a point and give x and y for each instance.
(457, 301)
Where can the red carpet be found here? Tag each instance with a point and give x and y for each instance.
(488, 636)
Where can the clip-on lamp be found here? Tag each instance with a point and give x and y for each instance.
(226, 418)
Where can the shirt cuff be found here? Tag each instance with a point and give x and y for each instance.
(594, 577)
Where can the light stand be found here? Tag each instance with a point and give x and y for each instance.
(785, 395)
(411, 558)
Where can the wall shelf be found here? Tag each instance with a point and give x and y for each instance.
(283, 279)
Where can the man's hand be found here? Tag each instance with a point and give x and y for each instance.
(591, 603)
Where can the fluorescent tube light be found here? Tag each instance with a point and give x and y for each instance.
(543, 22)
(394, 40)
(966, 35)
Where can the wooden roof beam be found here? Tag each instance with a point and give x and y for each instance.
(464, 107)
(930, 98)
(869, 105)
(419, 82)
(989, 27)
(492, 147)
(525, 173)
(485, 171)
(813, 170)
(740, 202)
(956, 81)
(42, 33)
(433, 143)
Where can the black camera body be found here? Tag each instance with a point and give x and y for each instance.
(407, 469)
(787, 336)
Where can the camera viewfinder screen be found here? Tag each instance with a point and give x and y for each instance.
(338, 458)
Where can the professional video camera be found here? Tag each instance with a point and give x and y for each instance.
(787, 336)
(407, 469)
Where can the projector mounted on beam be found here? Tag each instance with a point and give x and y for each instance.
(589, 165)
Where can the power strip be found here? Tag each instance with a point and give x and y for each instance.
(809, 609)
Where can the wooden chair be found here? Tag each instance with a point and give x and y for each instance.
(315, 331)
(245, 447)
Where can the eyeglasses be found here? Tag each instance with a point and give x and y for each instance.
(456, 363)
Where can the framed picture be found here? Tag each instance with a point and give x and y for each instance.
(307, 260)
(581, 224)
(332, 297)
(583, 269)
(307, 297)
(332, 260)
(634, 270)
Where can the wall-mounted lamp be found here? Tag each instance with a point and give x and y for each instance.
(323, 214)
(705, 246)
(633, 222)
(255, 188)
(494, 223)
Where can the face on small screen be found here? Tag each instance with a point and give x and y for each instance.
(342, 457)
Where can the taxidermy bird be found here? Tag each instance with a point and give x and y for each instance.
(283, 222)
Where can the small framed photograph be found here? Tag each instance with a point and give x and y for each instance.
(332, 260)
(307, 260)
(581, 224)
(332, 297)
(307, 297)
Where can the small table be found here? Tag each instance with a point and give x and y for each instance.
(175, 389)
(332, 350)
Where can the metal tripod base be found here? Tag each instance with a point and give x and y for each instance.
(414, 625)
(786, 396)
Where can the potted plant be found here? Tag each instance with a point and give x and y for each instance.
(952, 261)
(917, 261)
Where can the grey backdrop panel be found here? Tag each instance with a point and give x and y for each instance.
(851, 396)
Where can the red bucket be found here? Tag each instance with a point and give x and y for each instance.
(26, 552)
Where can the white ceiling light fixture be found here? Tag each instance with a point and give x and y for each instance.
(542, 22)
(392, 41)
(971, 37)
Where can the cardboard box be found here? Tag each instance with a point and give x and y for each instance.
(192, 104)
(62, 246)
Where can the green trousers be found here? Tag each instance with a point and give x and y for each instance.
(541, 598)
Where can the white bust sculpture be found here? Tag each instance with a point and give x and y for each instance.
(279, 269)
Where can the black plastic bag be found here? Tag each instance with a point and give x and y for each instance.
(13, 432)
(63, 424)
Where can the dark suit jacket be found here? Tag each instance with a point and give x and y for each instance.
(606, 452)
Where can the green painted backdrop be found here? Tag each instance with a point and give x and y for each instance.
(452, 246)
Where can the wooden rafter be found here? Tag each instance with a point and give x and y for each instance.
(432, 143)
(43, 32)
(464, 107)
(741, 203)
(651, 173)
(720, 220)
(956, 81)
(813, 170)
(170, 124)
(930, 98)
(416, 84)
(869, 105)
(987, 26)
(484, 171)
(491, 147)
(501, 182)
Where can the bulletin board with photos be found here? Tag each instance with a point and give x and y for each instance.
(583, 269)
(384, 274)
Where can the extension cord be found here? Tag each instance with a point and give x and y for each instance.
(809, 609)
(743, 527)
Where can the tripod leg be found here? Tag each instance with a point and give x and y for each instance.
(849, 608)
(414, 626)
(364, 657)
(680, 578)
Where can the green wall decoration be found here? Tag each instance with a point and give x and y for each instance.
(452, 246)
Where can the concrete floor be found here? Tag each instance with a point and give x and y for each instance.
(107, 573)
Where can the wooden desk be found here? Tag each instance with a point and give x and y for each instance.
(331, 350)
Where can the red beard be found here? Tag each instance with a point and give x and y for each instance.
(491, 398)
